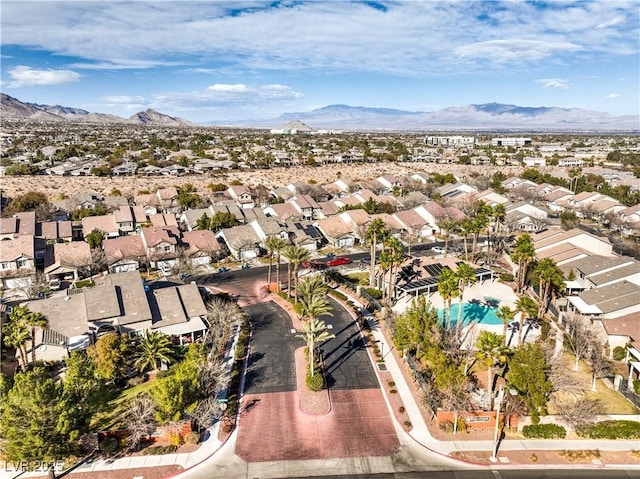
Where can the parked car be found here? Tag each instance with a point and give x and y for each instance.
(339, 261)
(245, 266)
(366, 261)
(314, 265)
(55, 284)
(438, 249)
(330, 255)
(223, 269)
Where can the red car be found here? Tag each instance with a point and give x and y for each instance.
(338, 261)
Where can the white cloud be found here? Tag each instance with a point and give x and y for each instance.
(237, 88)
(553, 83)
(613, 95)
(26, 76)
(406, 37)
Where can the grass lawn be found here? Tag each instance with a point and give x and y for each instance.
(359, 278)
(109, 419)
(611, 402)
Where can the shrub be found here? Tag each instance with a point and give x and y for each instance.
(544, 431)
(579, 455)
(298, 308)
(393, 391)
(619, 353)
(159, 450)
(611, 430)
(391, 383)
(636, 386)
(374, 293)
(192, 438)
(407, 423)
(338, 294)
(533, 458)
(401, 409)
(315, 382)
(506, 277)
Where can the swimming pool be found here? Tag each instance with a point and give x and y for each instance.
(473, 312)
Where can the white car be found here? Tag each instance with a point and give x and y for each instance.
(438, 249)
(55, 284)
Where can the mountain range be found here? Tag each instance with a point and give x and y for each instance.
(488, 116)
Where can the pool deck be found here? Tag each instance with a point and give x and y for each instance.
(477, 291)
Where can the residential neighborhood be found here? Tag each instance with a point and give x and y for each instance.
(521, 261)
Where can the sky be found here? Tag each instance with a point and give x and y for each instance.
(222, 61)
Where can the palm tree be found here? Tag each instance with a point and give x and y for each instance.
(447, 226)
(278, 247)
(314, 306)
(375, 233)
(35, 320)
(523, 255)
(549, 278)
(448, 289)
(274, 244)
(315, 331)
(466, 228)
(527, 308)
(397, 258)
(476, 226)
(16, 335)
(491, 351)
(296, 255)
(506, 314)
(465, 275)
(498, 215)
(154, 348)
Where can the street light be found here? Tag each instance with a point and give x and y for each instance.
(499, 400)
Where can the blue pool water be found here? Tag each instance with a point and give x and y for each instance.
(473, 312)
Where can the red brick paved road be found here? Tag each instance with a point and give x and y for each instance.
(273, 428)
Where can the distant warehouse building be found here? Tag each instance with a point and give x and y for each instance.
(510, 141)
(450, 140)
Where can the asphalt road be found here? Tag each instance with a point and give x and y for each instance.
(346, 360)
(500, 474)
(271, 364)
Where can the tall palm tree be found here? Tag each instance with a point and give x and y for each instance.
(466, 229)
(297, 255)
(527, 308)
(314, 306)
(314, 332)
(35, 320)
(523, 255)
(465, 275)
(16, 335)
(311, 286)
(476, 226)
(498, 214)
(397, 258)
(154, 348)
(491, 351)
(448, 289)
(447, 226)
(549, 278)
(374, 234)
(506, 314)
(274, 244)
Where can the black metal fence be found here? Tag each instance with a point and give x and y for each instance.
(628, 392)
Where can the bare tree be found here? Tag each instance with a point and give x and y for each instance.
(183, 265)
(222, 316)
(580, 337)
(139, 419)
(32, 287)
(601, 365)
(456, 398)
(578, 411)
(207, 412)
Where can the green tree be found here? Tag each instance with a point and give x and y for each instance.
(448, 288)
(110, 355)
(447, 226)
(491, 351)
(274, 244)
(16, 335)
(187, 196)
(506, 315)
(527, 308)
(465, 275)
(313, 298)
(28, 201)
(95, 239)
(154, 348)
(550, 280)
(375, 233)
(37, 421)
(315, 332)
(528, 374)
(415, 327)
(35, 320)
(177, 393)
(523, 255)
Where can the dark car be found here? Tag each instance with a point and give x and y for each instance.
(314, 265)
(338, 261)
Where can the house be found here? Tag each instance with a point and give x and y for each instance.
(150, 203)
(516, 182)
(630, 218)
(23, 223)
(337, 232)
(357, 220)
(327, 209)
(307, 206)
(388, 182)
(119, 304)
(451, 191)
(523, 216)
(106, 224)
(18, 260)
(162, 220)
(305, 234)
(56, 231)
(563, 253)
(558, 198)
(433, 213)
(242, 241)
(161, 245)
(489, 197)
(607, 302)
(283, 211)
(124, 219)
(69, 260)
(555, 236)
(168, 198)
(596, 271)
(124, 253)
(414, 225)
(201, 246)
(242, 196)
